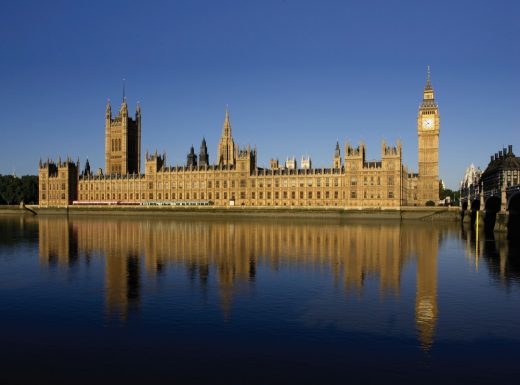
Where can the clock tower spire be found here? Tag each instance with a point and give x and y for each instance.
(428, 124)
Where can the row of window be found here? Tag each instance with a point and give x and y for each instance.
(242, 195)
(53, 196)
(195, 185)
(53, 186)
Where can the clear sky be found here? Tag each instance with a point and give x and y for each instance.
(297, 75)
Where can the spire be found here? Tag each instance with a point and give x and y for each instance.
(124, 89)
(108, 109)
(226, 130)
(337, 151)
(428, 94)
(428, 79)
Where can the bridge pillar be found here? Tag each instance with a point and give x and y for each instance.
(503, 200)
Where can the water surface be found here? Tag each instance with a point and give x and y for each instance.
(129, 300)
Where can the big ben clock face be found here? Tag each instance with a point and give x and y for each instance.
(427, 123)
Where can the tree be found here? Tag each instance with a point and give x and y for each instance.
(14, 190)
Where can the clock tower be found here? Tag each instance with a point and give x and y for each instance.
(428, 135)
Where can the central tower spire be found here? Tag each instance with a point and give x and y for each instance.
(226, 147)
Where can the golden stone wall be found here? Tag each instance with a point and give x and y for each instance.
(359, 184)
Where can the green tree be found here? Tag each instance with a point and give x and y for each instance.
(14, 190)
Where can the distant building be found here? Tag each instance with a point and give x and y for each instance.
(306, 163)
(502, 172)
(290, 163)
(235, 178)
(470, 186)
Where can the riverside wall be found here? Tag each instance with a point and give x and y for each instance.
(403, 213)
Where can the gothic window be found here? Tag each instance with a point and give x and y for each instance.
(309, 194)
(353, 195)
(242, 195)
(318, 195)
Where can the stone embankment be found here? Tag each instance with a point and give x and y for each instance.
(404, 213)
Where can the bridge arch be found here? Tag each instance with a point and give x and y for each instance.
(513, 203)
(513, 223)
(492, 207)
(492, 204)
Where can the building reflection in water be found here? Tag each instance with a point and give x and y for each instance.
(234, 251)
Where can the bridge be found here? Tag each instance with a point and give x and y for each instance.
(496, 191)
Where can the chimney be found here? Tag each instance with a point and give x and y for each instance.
(510, 149)
(496, 155)
(492, 158)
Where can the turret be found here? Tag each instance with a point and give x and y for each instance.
(203, 154)
(337, 157)
(191, 160)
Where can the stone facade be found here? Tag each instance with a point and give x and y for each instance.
(235, 179)
(58, 182)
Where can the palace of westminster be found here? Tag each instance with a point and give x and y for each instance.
(235, 179)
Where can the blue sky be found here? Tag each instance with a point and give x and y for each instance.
(297, 75)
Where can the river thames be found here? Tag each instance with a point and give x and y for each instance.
(157, 300)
